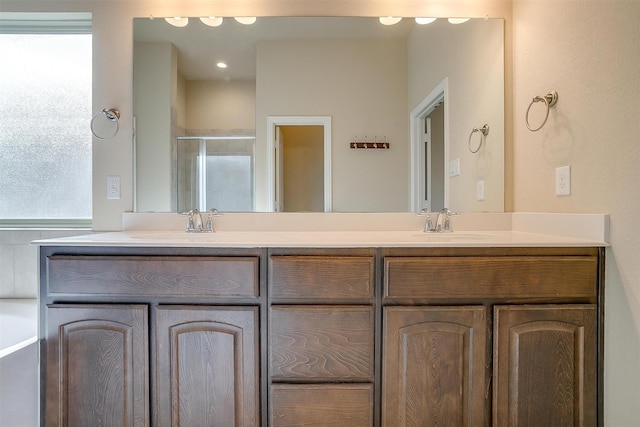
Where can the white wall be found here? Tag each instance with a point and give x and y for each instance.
(472, 60)
(221, 105)
(589, 52)
(155, 80)
(292, 81)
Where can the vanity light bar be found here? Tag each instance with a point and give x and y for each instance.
(211, 21)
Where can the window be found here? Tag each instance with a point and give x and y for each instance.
(45, 111)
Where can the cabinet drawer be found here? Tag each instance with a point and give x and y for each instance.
(491, 277)
(346, 278)
(326, 405)
(321, 343)
(161, 276)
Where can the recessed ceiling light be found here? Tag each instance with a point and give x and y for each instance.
(177, 21)
(212, 21)
(246, 20)
(389, 20)
(425, 21)
(458, 20)
(221, 64)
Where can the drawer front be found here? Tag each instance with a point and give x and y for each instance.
(491, 277)
(346, 278)
(322, 405)
(161, 276)
(321, 343)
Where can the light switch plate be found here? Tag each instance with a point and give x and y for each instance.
(454, 167)
(563, 181)
(480, 190)
(113, 187)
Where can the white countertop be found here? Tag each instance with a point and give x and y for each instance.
(322, 230)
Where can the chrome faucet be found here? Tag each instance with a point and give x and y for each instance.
(195, 223)
(442, 223)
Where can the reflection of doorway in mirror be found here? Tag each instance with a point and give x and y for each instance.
(430, 151)
(215, 172)
(301, 172)
(299, 164)
(434, 159)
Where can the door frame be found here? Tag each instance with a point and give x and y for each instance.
(439, 94)
(272, 122)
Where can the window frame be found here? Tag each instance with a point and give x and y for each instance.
(53, 23)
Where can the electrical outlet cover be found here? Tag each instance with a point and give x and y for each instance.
(563, 181)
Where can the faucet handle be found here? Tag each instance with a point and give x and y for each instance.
(208, 226)
(446, 220)
(191, 225)
(428, 224)
(194, 223)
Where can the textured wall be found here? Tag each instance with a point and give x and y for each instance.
(588, 51)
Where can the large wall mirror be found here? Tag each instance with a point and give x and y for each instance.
(399, 104)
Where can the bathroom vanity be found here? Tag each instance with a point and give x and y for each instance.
(368, 329)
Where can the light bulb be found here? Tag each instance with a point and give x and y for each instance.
(425, 21)
(390, 20)
(177, 21)
(458, 20)
(245, 20)
(212, 21)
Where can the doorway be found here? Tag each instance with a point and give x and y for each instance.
(430, 151)
(434, 170)
(300, 164)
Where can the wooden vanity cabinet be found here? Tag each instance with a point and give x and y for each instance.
(160, 337)
(331, 337)
(321, 337)
(500, 337)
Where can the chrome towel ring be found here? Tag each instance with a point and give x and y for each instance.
(549, 100)
(484, 131)
(104, 125)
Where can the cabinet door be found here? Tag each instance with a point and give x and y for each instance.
(545, 365)
(206, 366)
(96, 372)
(434, 366)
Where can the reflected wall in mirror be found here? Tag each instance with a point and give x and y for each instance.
(369, 78)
